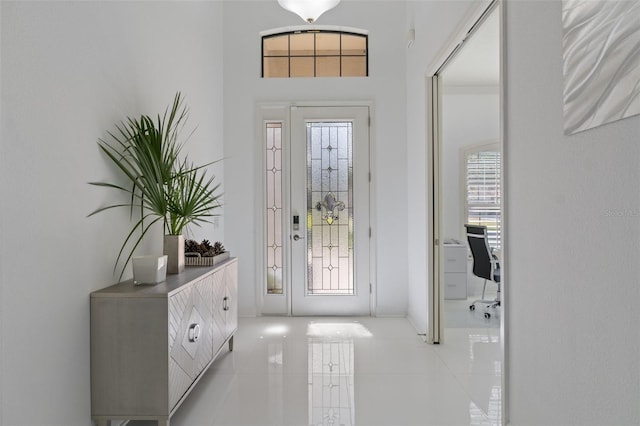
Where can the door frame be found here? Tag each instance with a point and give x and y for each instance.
(435, 277)
(281, 112)
(435, 282)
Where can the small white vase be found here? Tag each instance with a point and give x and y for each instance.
(174, 249)
(149, 269)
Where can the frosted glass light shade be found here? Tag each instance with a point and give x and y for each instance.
(309, 10)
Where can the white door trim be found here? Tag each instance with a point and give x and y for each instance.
(270, 304)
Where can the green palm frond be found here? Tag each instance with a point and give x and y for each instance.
(192, 198)
(164, 186)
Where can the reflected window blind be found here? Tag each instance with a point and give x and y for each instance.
(483, 192)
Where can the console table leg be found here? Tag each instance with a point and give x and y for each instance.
(231, 344)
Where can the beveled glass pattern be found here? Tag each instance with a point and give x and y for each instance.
(330, 232)
(331, 382)
(273, 178)
(316, 53)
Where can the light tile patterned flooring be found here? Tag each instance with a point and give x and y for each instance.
(350, 371)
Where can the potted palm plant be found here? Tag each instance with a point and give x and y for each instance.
(163, 185)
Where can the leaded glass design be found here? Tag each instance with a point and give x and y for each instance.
(330, 208)
(331, 382)
(273, 178)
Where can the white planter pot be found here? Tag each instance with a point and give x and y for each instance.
(174, 248)
(149, 269)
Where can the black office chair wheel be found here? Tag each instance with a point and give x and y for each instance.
(472, 307)
(487, 315)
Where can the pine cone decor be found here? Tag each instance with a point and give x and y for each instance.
(205, 248)
(204, 253)
(191, 246)
(218, 248)
(206, 245)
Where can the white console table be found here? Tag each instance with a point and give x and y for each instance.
(151, 344)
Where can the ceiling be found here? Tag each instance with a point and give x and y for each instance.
(477, 63)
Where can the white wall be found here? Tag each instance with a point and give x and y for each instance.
(573, 243)
(434, 22)
(70, 70)
(1, 233)
(385, 87)
(471, 116)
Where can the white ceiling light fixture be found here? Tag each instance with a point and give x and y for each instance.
(308, 10)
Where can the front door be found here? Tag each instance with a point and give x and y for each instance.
(329, 224)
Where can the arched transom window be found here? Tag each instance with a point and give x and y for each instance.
(315, 52)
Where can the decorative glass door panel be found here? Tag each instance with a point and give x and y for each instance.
(329, 208)
(273, 180)
(330, 211)
(331, 395)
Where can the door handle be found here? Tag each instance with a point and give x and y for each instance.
(194, 332)
(297, 237)
(225, 305)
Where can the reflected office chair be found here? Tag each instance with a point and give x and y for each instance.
(485, 264)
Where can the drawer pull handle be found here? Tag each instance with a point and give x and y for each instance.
(194, 332)
(225, 305)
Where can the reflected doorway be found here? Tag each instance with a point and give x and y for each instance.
(471, 165)
(465, 120)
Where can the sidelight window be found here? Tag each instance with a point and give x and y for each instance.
(273, 179)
